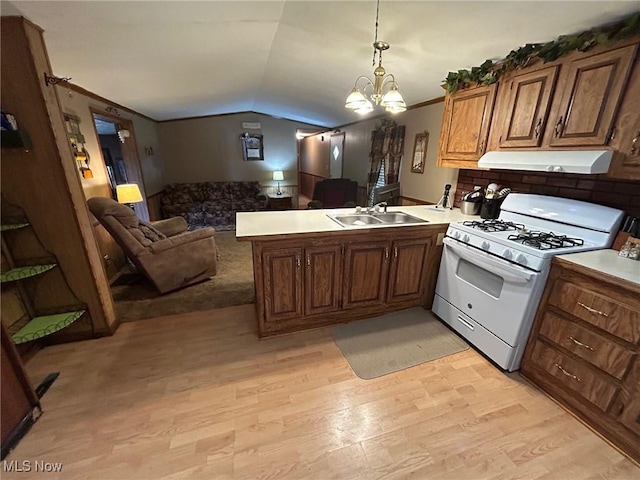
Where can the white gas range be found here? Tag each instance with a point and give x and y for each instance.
(493, 272)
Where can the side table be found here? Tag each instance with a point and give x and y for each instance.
(279, 202)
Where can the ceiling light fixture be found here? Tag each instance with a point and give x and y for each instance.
(392, 101)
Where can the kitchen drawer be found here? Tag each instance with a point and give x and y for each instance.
(573, 376)
(597, 350)
(603, 312)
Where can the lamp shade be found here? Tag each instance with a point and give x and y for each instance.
(355, 100)
(278, 175)
(128, 193)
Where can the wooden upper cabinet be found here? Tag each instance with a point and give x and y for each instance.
(626, 141)
(591, 93)
(282, 284)
(322, 279)
(527, 108)
(465, 126)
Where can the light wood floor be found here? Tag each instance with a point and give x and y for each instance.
(198, 396)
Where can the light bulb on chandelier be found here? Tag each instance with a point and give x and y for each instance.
(391, 100)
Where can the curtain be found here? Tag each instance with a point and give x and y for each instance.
(387, 145)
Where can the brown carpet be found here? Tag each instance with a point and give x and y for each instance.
(395, 341)
(137, 299)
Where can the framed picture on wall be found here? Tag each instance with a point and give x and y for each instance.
(252, 147)
(419, 152)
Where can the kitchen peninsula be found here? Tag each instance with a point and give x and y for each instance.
(311, 271)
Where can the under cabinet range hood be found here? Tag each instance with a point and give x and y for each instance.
(570, 161)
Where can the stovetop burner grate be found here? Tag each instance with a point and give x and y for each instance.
(493, 225)
(545, 241)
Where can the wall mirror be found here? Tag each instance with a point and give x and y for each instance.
(419, 152)
(252, 147)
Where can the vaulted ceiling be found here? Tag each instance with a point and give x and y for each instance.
(287, 58)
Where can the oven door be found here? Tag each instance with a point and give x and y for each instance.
(500, 296)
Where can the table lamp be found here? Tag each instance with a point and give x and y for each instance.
(128, 194)
(278, 175)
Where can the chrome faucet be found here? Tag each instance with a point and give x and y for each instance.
(376, 207)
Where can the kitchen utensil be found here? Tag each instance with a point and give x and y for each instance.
(504, 192)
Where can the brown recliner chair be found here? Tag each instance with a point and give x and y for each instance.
(165, 252)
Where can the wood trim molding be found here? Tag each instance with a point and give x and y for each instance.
(94, 96)
(246, 112)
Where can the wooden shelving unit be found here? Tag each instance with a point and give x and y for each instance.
(25, 320)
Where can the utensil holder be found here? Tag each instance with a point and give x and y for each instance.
(491, 208)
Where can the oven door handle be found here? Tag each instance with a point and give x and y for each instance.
(510, 273)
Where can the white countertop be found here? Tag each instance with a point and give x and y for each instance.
(290, 222)
(607, 261)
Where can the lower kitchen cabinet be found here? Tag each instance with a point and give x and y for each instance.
(282, 283)
(407, 271)
(584, 347)
(366, 268)
(309, 281)
(323, 279)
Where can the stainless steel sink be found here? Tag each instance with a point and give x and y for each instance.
(398, 217)
(356, 219)
(375, 219)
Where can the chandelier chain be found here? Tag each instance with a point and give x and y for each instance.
(375, 38)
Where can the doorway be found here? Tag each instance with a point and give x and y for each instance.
(120, 155)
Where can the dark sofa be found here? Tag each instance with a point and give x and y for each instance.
(212, 204)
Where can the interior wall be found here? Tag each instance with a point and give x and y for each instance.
(426, 187)
(146, 134)
(209, 149)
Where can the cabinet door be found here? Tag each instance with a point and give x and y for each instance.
(322, 279)
(627, 406)
(366, 267)
(528, 108)
(407, 271)
(282, 283)
(590, 98)
(626, 141)
(465, 126)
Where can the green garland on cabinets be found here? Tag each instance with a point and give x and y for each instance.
(489, 72)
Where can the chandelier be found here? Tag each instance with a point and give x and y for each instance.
(391, 100)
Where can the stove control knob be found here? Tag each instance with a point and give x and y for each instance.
(485, 245)
(521, 259)
(508, 254)
(456, 234)
(466, 238)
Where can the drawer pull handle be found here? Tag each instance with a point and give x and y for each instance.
(567, 373)
(298, 261)
(580, 344)
(592, 310)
